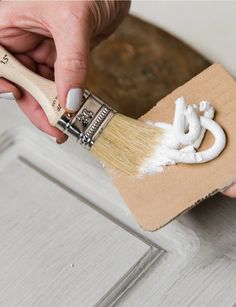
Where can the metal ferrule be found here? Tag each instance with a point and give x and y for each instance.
(87, 124)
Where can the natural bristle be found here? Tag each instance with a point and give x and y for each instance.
(125, 144)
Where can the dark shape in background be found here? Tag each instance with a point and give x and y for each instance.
(140, 64)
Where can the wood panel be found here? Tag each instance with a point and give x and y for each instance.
(205, 275)
(56, 248)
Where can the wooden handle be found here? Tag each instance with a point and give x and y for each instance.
(43, 90)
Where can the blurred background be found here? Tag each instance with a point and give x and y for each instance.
(169, 43)
(208, 26)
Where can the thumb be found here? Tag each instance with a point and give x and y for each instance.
(71, 65)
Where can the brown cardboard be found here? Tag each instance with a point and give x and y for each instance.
(156, 199)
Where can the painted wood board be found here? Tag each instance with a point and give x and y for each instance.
(56, 249)
(205, 273)
(198, 265)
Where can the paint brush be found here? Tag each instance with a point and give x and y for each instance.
(122, 143)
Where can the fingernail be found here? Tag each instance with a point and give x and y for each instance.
(226, 188)
(62, 139)
(8, 96)
(73, 100)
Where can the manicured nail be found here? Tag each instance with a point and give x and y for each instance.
(8, 96)
(73, 101)
(226, 188)
(62, 139)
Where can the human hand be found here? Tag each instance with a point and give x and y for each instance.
(54, 39)
(231, 191)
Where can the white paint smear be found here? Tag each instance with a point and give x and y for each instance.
(180, 141)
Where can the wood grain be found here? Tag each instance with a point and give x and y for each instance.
(43, 90)
(206, 277)
(55, 249)
(47, 233)
(140, 64)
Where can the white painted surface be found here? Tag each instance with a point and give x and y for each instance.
(67, 238)
(208, 26)
(57, 247)
(206, 277)
(55, 250)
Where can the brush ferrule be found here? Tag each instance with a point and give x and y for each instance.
(87, 124)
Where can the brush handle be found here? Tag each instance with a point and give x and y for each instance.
(43, 90)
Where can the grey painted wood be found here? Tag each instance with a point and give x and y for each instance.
(198, 267)
(56, 250)
(206, 274)
(57, 247)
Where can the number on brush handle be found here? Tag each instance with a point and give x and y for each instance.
(43, 90)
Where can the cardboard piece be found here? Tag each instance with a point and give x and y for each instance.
(157, 199)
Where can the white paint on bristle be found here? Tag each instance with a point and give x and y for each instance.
(180, 141)
(160, 158)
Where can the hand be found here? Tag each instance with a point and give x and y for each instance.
(54, 39)
(231, 191)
